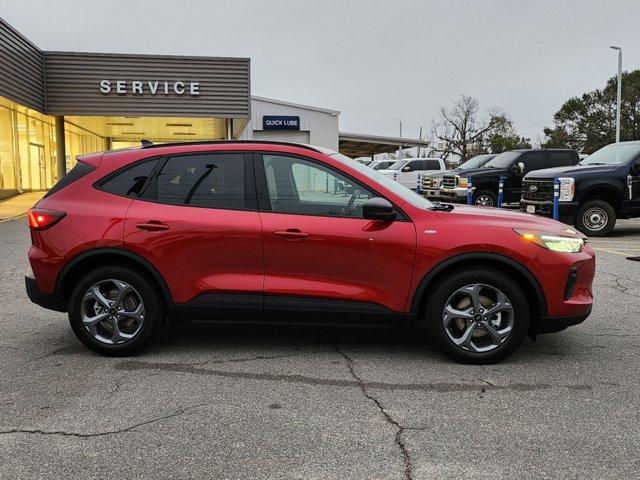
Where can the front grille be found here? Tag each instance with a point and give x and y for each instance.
(449, 182)
(539, 189)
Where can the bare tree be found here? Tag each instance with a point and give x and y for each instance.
(461, 133)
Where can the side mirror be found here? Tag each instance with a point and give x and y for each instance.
(635, 170)
(518, 168)
(406, 169)
(377, 208)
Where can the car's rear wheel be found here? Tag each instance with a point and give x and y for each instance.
(485, 198)
(115, 310)
(595, 218)
(477, 315)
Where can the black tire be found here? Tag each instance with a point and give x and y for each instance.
(488, 195)
(599, 207)
(448, 286)
(153, 316)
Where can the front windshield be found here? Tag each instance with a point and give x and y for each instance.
(397, 165)
(503, 160)
(614, 154)
(475, 162)
(406, 194)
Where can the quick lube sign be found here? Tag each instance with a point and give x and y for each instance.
(149, 87)
(280, 122)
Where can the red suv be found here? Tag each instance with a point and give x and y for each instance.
(285, 233)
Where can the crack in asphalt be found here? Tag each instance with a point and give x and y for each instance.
(408, 466)
(133, 365)
(618, 285)
(64, 433)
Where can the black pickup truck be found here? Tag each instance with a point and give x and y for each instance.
(593, 194)
(512, 165)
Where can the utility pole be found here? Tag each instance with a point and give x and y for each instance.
(400, 146)
(419, 138)
(619, 102)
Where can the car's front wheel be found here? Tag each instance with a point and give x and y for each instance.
(477, 316)
(115, 310)
(485, 198)
(595, 218)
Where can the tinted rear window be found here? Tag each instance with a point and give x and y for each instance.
(77, 172)
(431, 164)
(209, 180)
(131, 181)
(561, 159)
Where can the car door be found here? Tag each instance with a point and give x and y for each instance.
(634, 188)
(409, 174)
(323, 261)
(513, 184)
(197, 223)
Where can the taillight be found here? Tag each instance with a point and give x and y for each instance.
(41, 219)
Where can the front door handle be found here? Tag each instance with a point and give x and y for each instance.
(291, 234)
(152, 226)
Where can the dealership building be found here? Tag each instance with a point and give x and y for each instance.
(57, 105)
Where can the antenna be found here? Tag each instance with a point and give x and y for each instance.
(146, 143)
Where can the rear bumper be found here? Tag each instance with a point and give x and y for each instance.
(46, 300)
(557, 324)
(566, 210)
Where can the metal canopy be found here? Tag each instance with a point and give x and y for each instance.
(359, 145)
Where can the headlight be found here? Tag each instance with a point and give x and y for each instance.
(553, 242)
(463, 182)
(567, 189)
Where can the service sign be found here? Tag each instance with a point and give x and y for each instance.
(280, 122)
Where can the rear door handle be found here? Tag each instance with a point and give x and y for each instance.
(152, 226)
(291, 234)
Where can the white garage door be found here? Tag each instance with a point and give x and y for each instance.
(282, 136)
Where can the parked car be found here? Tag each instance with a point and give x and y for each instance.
(406, 171)
(255, 231)
(601, 188)
(381, 164)
(512, 165)
(431, 183)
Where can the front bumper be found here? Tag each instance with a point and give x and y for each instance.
(566, 210)
(454, 195)
(557, 324)
(46, 300)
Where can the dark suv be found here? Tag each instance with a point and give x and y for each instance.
(602, 187)
(292, 234)
(513, 165)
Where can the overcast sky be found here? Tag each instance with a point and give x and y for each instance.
(375, 61)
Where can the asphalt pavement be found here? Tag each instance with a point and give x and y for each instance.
(304, 403)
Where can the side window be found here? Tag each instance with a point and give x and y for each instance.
(207, 180)
(307, 188)
(132, 181)
(560, 159)
(413, 165)
(430, 165)
(532, 161)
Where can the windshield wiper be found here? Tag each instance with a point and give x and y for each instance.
(594, 163)
(442, 207)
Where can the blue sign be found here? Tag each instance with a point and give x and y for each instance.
(280, 122)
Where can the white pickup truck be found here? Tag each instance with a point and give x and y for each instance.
(406, 171)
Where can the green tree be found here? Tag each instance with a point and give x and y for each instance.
(588, 123)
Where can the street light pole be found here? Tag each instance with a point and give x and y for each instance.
(400, 146)
(619, 101)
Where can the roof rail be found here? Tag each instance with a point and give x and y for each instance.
(147, 144)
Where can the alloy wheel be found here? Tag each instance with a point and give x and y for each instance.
(478, 318)
(484, 201)
(112, 311)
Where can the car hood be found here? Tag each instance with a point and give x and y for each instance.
(571, 171)
(498, 217)
(475, 172)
